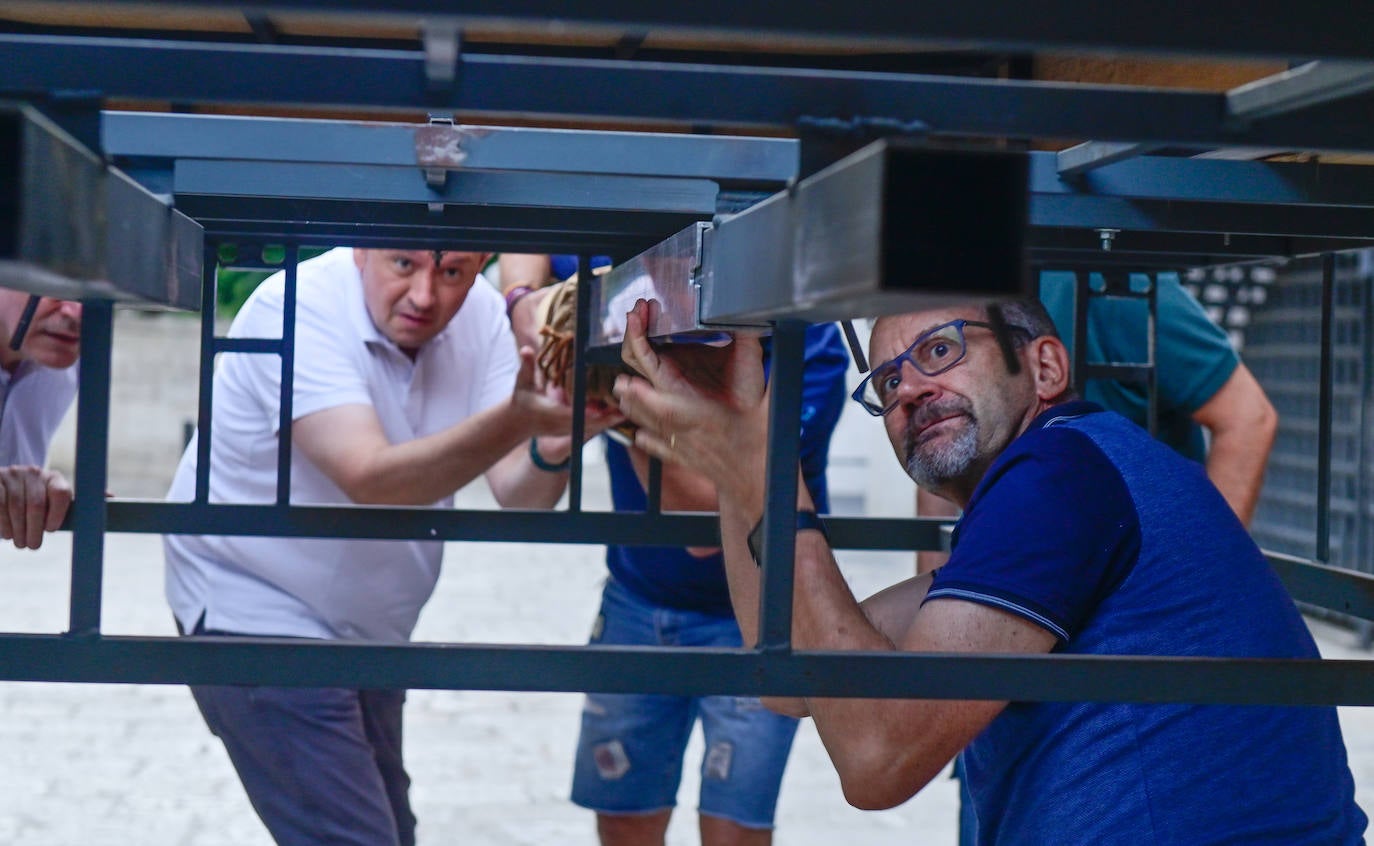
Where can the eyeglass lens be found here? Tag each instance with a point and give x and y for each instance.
(932, 353)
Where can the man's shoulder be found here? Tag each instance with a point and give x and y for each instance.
(322, 285)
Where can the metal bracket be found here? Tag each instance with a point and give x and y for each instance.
(437, 147)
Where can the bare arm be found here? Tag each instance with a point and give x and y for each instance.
(517, 483)
(1243, 423)
(349, 445)
(885, 750)
(32, 501)
(529, 270)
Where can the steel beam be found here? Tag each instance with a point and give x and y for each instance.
(1310, 85)
(690, 671)
(1267, 28)
(1302, 87)
(589, 89)
(1212, 180)
(727, 160)
(586, 527)
(1087, 211)
(1089, 155)
(511, 228)
(74, 228)
(860, 237)
(374, 184)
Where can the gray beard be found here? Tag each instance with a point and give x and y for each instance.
(932, 468)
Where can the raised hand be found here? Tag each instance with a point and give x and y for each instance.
(700, 406)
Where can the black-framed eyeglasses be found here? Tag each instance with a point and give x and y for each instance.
(932, 353)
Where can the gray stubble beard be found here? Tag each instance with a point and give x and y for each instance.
(933, 469)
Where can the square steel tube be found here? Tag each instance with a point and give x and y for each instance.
(894, 227)
(74, 228)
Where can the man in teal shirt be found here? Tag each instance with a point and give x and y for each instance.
(1201, 384)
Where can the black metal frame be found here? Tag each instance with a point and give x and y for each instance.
(1171, 212)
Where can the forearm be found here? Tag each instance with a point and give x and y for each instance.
(1236, 466)
(424, 470)
(517, 483)
(821, 597)
(530, 270)
(1242, 423)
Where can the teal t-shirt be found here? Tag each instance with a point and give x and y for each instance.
(1193, 357)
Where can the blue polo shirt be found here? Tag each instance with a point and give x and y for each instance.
(1116, 545)
(669, 576)
(1193, 357)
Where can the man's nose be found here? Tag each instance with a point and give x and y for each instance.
(422, 290)
(915, 386)
(70, 309)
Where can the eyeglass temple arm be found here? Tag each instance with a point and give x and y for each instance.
(22, 327)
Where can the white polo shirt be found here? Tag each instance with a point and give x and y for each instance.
(33, 401)
(327, 588)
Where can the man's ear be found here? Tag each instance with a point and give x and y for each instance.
(359, 258)
(1049, 361)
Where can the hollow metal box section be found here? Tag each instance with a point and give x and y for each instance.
(860, 237)
(72, 227)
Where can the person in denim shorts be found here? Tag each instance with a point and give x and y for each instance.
(630, 752)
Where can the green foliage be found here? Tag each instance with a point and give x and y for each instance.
(233, 289)
(235, 285)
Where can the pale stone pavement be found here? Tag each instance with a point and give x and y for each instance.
(122, 764)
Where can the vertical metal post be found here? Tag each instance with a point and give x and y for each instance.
(288, 378)
(780, 507)
(1324, 398)
(1364, 482)
(1152, 356)
(1081, 293)
(209, 302)
(92, 454)
(581, 331)
(1363, 628)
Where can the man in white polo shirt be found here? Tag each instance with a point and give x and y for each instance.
(40, 340)
(407, 386)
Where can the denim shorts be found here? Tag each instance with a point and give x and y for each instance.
(629, 754)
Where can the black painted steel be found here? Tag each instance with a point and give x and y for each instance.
(1053, 678)
(1325, 393)
(88, 514)
(209, 301)
(579, 395)
(285, 416)
(682, 94)
(1268, 28)
(780, 493)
